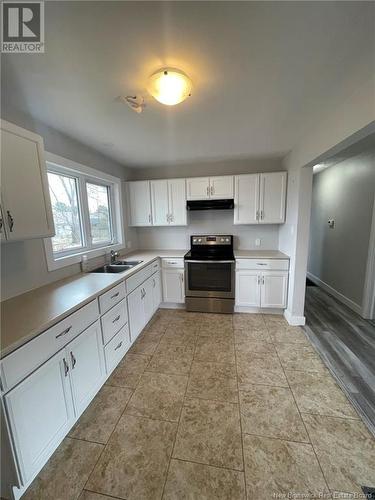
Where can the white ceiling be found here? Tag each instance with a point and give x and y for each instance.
(261, 71)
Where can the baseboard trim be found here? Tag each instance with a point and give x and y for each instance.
(339, 296)
(171, 305)
(294, 320)
(257, 310)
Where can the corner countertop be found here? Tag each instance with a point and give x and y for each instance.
(25, 316)
(260, 254)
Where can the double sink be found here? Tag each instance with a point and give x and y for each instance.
(119, 266)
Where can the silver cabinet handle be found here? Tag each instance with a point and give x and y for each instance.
(262, 280)
(116, 318)
(1, 224)
(258, 280)
(73, 359)
(66, 367)
(10, 221)
(115, 295)
(208, 191)
(261, 264)
(257, 215)
(143, 293)
(212, 190)
(64, 332)
(261, 214)
(170, 217)
(149, 218)
(118, 346)
(154, 283)
(167, 217)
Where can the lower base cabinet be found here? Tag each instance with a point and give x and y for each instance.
(142, 304)
(266, 289)
(43, 407)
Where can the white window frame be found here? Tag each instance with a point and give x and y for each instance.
(60, 165)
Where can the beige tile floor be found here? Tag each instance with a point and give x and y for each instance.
(207, 407)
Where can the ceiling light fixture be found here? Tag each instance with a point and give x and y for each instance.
(169, 86)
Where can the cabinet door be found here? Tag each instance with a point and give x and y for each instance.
(159, 201)
(246, 199)
(221, 187)
(248, 288)
(177, 202)
(274, 289)
(86, 358)
(25, 193)
(198, 188)
(173, 286)
(140, 203)
(156, 291)
(148, 299)
(136, 312)
(40, 413)
(272, 197)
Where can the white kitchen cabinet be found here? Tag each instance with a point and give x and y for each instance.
(40, 413)
(87, 369)
(136, 312)
(221, 187)
(260, 198)
(247, 289)
(140, 203)
(168, 202)
(246, 199)
(173, 286)
(156, 290)
(148, 300)
(272, 198)
(204, 188)
(177, 202)
(198, 188)
(274, 289)
(26, 204)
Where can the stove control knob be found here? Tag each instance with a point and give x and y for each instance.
(199, 240)
(227, 240)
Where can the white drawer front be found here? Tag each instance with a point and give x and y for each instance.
(112, 297)
(28, 357)
(152, 268)
(263, 264)
(113, 320)
(115, 350)
(134, 281)
(173, 263)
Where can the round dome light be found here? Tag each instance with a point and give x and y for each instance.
(169, 86)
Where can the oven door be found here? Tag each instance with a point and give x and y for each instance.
(213, 278)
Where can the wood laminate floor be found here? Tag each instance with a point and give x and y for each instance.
(346, 342)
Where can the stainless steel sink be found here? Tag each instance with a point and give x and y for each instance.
(130, 263)
(117, 267)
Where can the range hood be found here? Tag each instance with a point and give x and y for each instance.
(210, 204)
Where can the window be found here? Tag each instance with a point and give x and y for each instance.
(86, 208)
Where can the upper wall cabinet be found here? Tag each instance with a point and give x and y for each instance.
(140, 203)
(26, 205)
(215, 188)
(260, 198)
(168, 201)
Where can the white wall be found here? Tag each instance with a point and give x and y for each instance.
(23, 264)
(338, 256)
(208, 222)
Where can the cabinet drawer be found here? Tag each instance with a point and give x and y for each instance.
(115, 350)
(27, 358)
(263, 264)
(173, 263)
(137, 279)
(112, 297)
(113, 320)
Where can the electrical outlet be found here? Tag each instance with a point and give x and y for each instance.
(331, 223)
(258, 242)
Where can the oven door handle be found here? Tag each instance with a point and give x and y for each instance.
(210, 261)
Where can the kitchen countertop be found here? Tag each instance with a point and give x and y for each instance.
(25, 316)
(260, 254)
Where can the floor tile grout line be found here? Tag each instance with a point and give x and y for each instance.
(239, 411)
(208, 465)
(178, 425)
(101, 494)
(113, 430)
(276, 438)
(304, 424)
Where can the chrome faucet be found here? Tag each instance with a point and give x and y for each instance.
(114, 256)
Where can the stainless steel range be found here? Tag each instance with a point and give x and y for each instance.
(210, 274)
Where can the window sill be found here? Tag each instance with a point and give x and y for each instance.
(69, 260)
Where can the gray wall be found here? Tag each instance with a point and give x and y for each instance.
(344, 192)
(23, 264)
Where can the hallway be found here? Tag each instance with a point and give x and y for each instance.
(346, 342)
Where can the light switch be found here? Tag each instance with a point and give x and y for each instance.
(257, 242)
